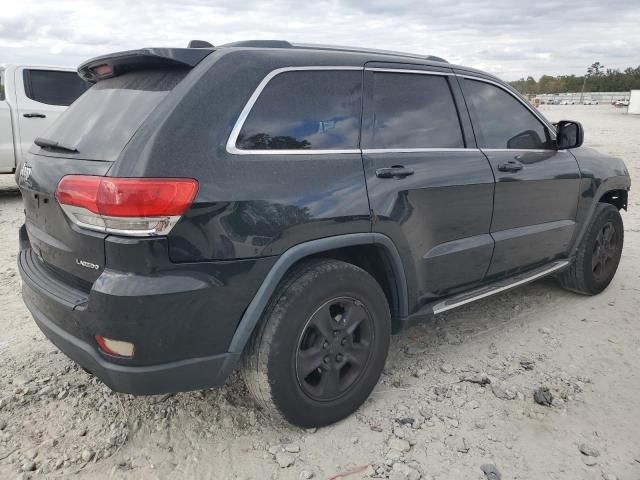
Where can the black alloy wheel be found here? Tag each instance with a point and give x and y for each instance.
(321, 346)
(334, 348)
(605, 252)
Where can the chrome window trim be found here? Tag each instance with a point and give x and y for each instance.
(534, 150)
(301, 151)
(536, 114)
(367, 151)
(237, 128)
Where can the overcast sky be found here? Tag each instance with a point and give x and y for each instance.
(510, 38)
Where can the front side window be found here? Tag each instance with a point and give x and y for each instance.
(501, 121)
(311, 110)
(53, 87)
(413, 111)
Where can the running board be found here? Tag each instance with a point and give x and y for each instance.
(479, 293)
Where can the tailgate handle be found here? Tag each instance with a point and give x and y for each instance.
(397, 171)
(34, 115)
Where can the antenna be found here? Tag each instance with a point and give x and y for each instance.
(199, 44)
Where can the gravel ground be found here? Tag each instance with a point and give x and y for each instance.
(434, 414)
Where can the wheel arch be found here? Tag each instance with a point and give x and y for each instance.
(613, 190)
(617, 198)
(391, 275)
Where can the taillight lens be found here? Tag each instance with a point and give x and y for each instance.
(126, 206)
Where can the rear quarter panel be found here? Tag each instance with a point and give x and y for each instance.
(247, 205)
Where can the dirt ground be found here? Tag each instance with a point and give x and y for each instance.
(432, 415)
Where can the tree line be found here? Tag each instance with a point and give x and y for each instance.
(597, 79)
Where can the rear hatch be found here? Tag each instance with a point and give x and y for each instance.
(86, 140)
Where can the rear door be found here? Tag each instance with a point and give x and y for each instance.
(537, 186)
(430, 188)
(41, 96)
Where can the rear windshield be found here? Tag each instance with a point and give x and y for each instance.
(102, 121)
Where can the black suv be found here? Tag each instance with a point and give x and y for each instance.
(285, 208)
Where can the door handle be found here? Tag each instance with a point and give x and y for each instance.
(510, 166)
(397, 171)
(34, 115)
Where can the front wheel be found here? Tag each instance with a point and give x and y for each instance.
(321, 346)
(599, 253)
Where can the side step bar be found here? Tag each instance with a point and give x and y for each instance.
(486, 291)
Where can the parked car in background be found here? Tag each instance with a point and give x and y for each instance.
(31, 99)
(284, 208)
(621, 103)
(567, 102)
(590, 101)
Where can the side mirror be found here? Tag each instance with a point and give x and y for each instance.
(570, 134)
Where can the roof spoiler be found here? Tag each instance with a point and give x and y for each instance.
(115, 64)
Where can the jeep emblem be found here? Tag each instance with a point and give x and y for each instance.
(25, 174)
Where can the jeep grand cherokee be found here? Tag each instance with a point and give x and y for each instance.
(284, 208)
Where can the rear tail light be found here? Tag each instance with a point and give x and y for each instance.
(116, 347)
(126, 206)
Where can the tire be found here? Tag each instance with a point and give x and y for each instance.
(298, 330)
(598, 255)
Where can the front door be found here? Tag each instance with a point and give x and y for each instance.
(430, 188)
(537, 186)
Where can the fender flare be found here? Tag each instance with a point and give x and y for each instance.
(621, 182)
(261, 299)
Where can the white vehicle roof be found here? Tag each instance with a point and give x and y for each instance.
(10, 66)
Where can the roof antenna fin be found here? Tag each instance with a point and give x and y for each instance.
(199, 44)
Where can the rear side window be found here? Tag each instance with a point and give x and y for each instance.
(312, 110)
(1, 83)
(413, 111)
(104, 119)
(53, 87)
(501, 121)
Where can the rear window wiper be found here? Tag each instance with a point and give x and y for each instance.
(46, 143)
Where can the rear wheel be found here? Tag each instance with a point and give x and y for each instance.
(322, 344)
(599, 253)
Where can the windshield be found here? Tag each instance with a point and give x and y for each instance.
(102, 121)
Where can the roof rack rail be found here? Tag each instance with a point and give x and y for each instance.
(335, 48)
(260, 44)
(368, 50)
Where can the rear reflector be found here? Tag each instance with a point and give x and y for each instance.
(115, 347)
(126, 206)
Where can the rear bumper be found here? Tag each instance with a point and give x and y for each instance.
(179, 376)
(180, 317)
